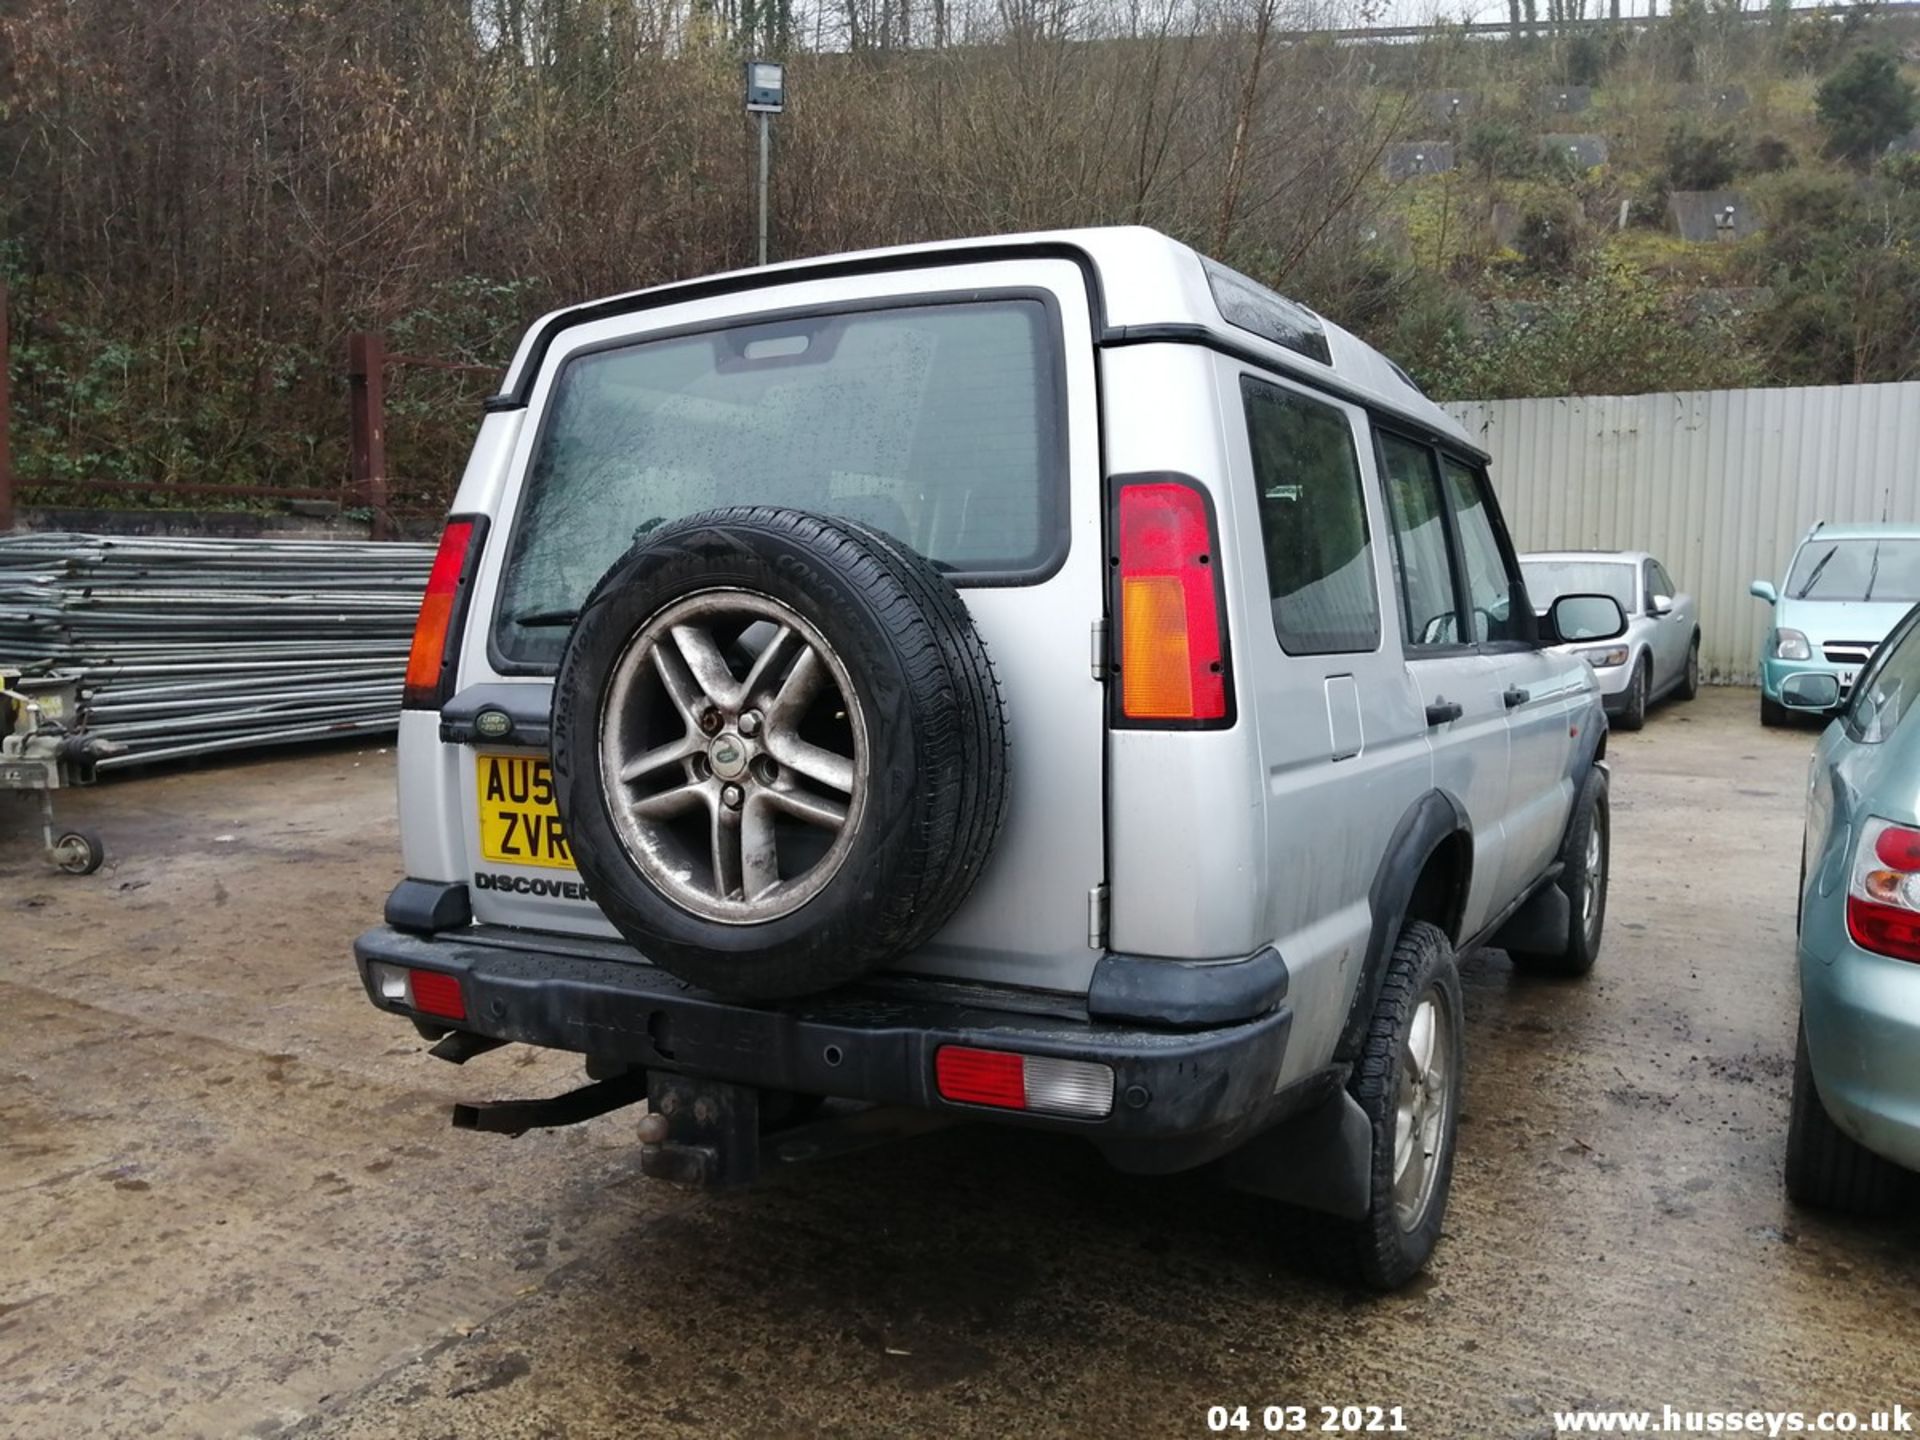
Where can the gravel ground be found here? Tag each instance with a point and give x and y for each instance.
(232, 1204)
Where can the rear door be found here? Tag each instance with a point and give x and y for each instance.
(953, 407)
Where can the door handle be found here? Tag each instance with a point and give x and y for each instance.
(1515, 696)
(1441, 711)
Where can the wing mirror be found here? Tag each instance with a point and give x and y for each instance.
(1580, 618)
(1663, 604)
(1763, 590)
(1810, 690)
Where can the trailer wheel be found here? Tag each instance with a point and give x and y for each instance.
(79, 852)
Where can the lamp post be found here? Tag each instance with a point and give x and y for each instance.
(766, 97)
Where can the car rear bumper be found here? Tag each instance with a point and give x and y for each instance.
(1862, 1014)
(872, 1042)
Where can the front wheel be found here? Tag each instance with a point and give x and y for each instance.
(1633, 714)
(1774, 715)
(1408, 1081)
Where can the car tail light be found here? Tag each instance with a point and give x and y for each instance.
(1883, 896)
(1172, 635)
(1008, 1081)
(436, 632)
(431, 992)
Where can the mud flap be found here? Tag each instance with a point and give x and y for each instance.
(1320, 1159)
(1540, 925)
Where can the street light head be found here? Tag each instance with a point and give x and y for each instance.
(766, 87)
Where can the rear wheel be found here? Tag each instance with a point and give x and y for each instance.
(1408, 1081)
(1585, 854)
(1826, 1167)
(1690, 677)
(1633, 713)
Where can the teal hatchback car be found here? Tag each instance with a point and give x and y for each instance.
(1855, 1124)
(1847, 587)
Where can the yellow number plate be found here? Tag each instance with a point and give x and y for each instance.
(518, 822)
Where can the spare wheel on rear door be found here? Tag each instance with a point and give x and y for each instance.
(779, 749)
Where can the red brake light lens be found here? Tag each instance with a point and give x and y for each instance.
(426, 662)
(1899, 849)
(981, 1077)
(1883, 894)
(437, 993)
(1172, 643)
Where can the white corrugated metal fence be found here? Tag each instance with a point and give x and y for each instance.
(1718, 484)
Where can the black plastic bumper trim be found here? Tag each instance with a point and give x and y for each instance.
(1187, 994)
(428, 906)
(873, 1042)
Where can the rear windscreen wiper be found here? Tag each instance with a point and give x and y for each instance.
(545, 619)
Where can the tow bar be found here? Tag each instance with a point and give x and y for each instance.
(702, 1134)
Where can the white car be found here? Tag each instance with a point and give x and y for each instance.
(1660, 653)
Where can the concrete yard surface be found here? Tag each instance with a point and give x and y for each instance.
(231, 1204)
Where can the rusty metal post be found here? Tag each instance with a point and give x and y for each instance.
(6, 419)
(367, 424)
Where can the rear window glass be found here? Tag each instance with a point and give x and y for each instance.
(1548, 580)
(940, 424)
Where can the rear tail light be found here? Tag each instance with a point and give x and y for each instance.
(1883, 895)
(1038, 1083)
(431, 992)
(1173, 644)
(436, 641)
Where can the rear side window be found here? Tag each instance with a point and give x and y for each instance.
(1313, 522)
(939, 424)
(1421, 554)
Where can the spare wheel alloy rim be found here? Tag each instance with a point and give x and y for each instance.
(733, 756)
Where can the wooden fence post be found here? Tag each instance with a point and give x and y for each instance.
(367, 425)
(6, 420)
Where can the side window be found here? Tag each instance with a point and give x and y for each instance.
(1888, 687)
(1313, 522)
(1421, 558)
(1490, 586)
(1663, 582)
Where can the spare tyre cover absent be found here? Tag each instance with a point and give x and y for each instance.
(779, 749)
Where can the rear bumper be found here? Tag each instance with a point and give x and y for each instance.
(1205, 1087)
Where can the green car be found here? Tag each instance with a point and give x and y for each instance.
(1855, 1125)
(1847, 587)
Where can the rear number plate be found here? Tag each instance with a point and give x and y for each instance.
(518, 822)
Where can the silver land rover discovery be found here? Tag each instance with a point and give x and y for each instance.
(1048, 679)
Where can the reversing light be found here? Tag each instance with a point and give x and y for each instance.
(1883, 895)
(1172, 644)
(1008, 1081)
(426, 687)
(431, 992)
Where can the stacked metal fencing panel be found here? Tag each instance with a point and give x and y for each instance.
(191, 646)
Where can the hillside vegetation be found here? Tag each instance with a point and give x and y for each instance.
(204, 198)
